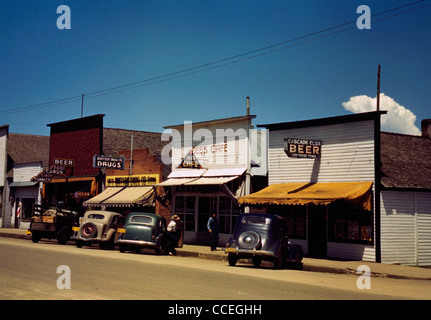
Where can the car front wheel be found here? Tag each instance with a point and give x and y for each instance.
(35, 237)
(232, 259)
(256, 261)
(279, 259)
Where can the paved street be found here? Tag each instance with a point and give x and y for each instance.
(28, 271)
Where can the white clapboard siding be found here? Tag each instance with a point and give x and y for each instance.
(398, 227)
(406, 227)
(423, 200)
(346, 157)
(25, 171)
(215, 146)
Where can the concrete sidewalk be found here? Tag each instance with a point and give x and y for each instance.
(310, 264)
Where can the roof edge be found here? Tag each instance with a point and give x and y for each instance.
(215, 121)
(324, 121)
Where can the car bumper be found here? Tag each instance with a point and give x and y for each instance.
(141, 243)
(88, 239)
(246, 253)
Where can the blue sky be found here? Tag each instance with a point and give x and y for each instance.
(114, 43)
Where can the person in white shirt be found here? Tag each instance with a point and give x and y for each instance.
(172, 240)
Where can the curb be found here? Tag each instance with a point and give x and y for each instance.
(14, 235)
(211, 256)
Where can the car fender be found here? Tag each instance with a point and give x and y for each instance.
(296, 253)
(274, 247)
(160, 240)
(110, 234)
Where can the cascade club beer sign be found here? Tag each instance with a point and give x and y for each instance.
(302, 148)
(108, 162)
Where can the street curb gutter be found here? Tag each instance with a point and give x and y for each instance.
(14, 235)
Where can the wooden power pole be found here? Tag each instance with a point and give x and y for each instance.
(378, 88)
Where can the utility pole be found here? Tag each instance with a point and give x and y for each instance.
(378, 88)
(131, 155)
(377, 175)
(82, 105)
(247, 172)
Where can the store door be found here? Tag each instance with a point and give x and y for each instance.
(206, 205)
(317, 231)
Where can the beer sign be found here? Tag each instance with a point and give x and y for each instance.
(302, 148)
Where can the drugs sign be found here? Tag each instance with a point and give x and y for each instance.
(107, 162)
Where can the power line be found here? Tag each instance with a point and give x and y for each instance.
(222, 62)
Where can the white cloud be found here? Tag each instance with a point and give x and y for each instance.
(398, 119)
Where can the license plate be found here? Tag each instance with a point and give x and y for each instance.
(28, 232)
(230, 250)
(121, 230)
(75, 229)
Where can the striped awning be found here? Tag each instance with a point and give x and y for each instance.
(123, 197)
(196, 181)
(202, 177)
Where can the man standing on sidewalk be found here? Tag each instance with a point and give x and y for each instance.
(212, 226)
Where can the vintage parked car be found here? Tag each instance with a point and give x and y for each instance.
(99, 226)
(260, 236)
(53, 223)
(142, 230)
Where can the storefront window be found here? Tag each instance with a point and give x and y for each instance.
(347, 224)
(190, 204)
(185, 208)
(228, 214)
(179, 205)
(224, 224)
(27, 207)
(295, 218)
(225, 208)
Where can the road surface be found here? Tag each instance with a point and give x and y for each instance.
(29, 271)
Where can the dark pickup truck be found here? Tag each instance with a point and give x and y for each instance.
(52, 223)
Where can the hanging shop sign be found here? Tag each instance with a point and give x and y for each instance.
(108, 162)
(63, 162)
(190, 161)
(137, 180)
(302, 148)
(62, 167)
(47, 174)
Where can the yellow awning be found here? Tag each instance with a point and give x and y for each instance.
(358, 193)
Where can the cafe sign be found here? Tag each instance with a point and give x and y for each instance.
(190, 161)
(302, 148)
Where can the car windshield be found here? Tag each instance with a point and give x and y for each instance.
(254, 220)
(141, 219)
(96, 216)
